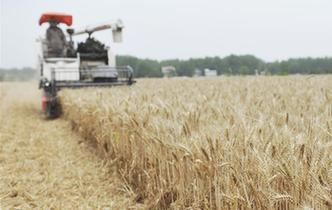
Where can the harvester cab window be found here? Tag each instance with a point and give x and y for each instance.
(56, 40)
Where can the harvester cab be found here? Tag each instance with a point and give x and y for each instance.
(89, 64)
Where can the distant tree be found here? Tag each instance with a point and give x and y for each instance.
(233, 64)
(17, 74)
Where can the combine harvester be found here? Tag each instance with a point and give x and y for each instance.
(64, 65)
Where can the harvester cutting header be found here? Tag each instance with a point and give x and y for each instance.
(63, 64)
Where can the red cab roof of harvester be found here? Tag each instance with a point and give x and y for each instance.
(58, 17)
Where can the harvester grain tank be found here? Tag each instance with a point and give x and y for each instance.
(62, 64)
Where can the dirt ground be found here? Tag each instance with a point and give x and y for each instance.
(44, 165)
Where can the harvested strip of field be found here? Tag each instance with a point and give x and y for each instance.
(219, 143)
(43, 165)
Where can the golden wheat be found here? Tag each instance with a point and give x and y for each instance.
(44, 165)
(218, 143)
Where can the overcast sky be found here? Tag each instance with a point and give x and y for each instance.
(269, 29)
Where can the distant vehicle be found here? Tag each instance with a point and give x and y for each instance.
(168, 71)
(210, 73)
(90, 64)
(198, 73)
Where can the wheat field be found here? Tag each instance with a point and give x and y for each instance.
(203, 143)
(216, 143)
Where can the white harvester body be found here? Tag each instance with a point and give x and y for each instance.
(73, 68)
(62, 64)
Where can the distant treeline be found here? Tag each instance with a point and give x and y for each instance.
(23, 74)
(230, 65)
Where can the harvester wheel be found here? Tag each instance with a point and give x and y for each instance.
(53, 108)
